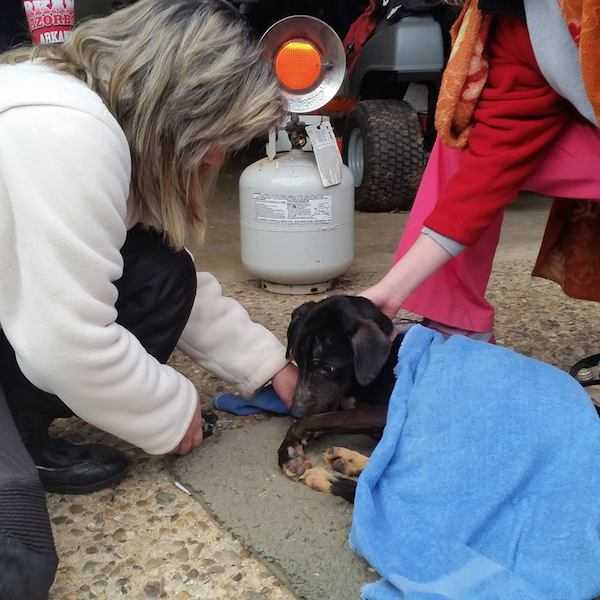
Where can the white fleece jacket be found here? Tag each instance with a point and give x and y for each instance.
(64, 182)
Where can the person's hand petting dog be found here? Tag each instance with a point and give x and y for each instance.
(284, 383)
(424, 258)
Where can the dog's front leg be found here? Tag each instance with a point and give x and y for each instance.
(359, 420)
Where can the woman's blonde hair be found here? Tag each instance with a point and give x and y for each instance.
(182, 77)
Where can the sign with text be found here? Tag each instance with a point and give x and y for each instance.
(50, 21)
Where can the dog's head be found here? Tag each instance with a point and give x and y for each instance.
(337, 343)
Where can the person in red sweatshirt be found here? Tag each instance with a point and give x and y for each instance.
(524, 135)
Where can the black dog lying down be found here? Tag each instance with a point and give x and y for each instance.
(346, 351)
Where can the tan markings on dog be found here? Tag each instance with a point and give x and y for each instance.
(318, 479)
(347, 462)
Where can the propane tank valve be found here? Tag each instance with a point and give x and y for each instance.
(296, 131)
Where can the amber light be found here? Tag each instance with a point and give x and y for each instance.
(298, 65)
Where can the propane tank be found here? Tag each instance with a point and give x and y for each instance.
(297, 224)
(296, 235)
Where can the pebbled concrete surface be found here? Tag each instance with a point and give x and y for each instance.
(300, 533)
(146, 540)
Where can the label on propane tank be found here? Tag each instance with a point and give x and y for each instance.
(292, 209)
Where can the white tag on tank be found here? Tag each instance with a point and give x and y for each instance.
(327, 153)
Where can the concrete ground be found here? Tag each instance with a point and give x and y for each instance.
(147, 539)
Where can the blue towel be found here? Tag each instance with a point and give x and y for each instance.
(486, 482)
(265, 400)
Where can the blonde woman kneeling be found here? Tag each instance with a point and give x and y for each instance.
(108, 145)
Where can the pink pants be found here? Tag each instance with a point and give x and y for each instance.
(455, 294)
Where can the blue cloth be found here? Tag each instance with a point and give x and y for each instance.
(265, 400)
(486, 482)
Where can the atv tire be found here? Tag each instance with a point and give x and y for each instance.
(383, 147)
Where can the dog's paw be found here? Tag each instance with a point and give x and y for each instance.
(322, 480)
(347, 462)
(292, 460)
(318, 479)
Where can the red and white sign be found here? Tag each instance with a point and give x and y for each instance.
(50, 21)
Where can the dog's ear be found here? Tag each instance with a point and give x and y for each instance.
(371, 348)
(370, 333)
(294, 328)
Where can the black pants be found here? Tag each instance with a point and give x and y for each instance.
(156, 294)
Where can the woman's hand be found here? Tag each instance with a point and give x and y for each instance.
(383, 299)
(193, 436)
(284, 383)
(423, 258)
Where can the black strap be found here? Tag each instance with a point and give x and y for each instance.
(586, 363)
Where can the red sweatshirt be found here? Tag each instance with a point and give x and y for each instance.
(517, 119)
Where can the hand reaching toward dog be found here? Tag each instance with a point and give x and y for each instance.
(284, 383)
(423, 258)
(382, 299)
